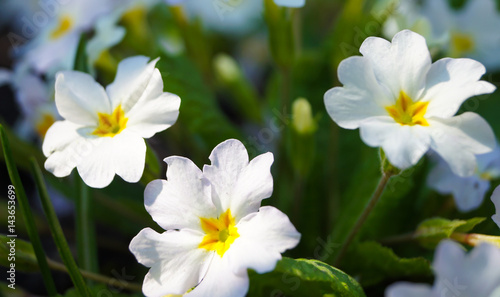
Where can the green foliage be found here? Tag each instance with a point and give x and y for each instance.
(432, 231)
(301, 277)
(372, 263)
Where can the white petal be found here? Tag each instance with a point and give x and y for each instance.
(290, 3)
(457, 140)
(402, 65)
(154, 115)
(124, 154)
(448, 259)
(79, 98)
(468, 192)
(236, 183)
(263, 237)
(181, 200)
(130, 156)
(107, 34)
(64, 147)
(452, 81)
(133, 78)
(220, 281)
(177, 264)
(495, 197)
(5, 76)
(403, 145)
(403, 289)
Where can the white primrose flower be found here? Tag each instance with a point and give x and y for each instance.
(56, 44)
(216, 229)
(403, 103)
(290, 3)
(495, 197)
(468, 192)
(458, 274)
(103, 130)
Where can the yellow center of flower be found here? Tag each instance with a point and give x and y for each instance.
(65, 24)
(407, 112)
(111, 124)
(44, 124)
(461, 44)
(220, 233)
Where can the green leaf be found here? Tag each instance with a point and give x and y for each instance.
(373, 263)
(25, 259)
(101, 290)
(81, 61)
(302, 277)
(432, 231)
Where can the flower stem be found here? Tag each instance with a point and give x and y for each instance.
(85, 229)
(362, 218)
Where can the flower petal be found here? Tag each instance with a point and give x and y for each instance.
(133, 79)
(457, 140)
(290, 3)
(79, 98)
(404, 289)
(177, 264)
(236, 183)
(400, 65)
(495, 198)
(264, 235)
(64, 148)
(154, 115)
(220, 281)
(403, 145)
(452, 81)
(97, 167)
(181, 200)
(130, 156)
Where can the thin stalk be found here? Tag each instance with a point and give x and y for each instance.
(362, 218)
(57, 233)
(122, 284)
(22, 199)
(85, 229)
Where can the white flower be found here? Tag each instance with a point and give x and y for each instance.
(405, 104)
(458, 274)
(468, 192)
(216, 229)
(55, 46)
(103, 130)
(495, 197)
(226, 16)
(290, 3)
(469, 32)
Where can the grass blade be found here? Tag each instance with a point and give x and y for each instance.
(57, 233)
(28, 215)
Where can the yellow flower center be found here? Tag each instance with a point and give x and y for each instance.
(111, 124)
(407, 112)
(44, 124)
(461, 44)
(220, 233)
(65, 24)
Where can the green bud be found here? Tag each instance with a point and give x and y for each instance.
(226, 68)
(387, 167)
(302, 117)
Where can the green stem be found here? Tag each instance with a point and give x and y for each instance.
(362, 218)
(122, 284)
(28, 215)
(85, 229)
(57, 232)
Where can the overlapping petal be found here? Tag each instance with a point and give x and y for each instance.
(495, 198)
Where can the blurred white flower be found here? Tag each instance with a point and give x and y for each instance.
(226, 16)
(290, 3)
(103, 130)
(216, 229)
(468, 192)
(495, 197)
(458, 274)
(469, 32)
(405, 104)
(35, 99)
(55, 46)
